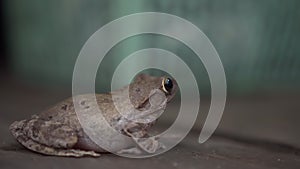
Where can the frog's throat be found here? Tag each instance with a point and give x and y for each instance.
(146, 116)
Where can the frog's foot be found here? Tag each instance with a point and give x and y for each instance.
(142, 139)
(134, 150)
(76, 153)
(150, 145)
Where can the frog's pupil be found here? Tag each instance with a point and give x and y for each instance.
(168, 84)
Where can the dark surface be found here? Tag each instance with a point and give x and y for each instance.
(19, 101)
(218, 152)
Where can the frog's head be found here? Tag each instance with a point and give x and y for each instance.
(144, 85)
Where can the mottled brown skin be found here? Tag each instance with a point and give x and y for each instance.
(57, 130)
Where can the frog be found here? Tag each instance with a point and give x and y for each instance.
(57, 130)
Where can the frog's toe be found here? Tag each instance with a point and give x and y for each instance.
(77, 153)
(71, 153)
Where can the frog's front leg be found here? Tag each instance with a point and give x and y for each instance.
(142, 139)
(150, 145)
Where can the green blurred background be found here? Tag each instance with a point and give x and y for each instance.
(258, 41)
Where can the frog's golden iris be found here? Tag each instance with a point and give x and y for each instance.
(167, 85)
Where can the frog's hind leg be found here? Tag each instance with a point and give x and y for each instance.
(16, 129)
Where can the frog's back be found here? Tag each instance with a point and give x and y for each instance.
(64, 112)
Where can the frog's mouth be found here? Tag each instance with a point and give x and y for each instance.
(149, 118)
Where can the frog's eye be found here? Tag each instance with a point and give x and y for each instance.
(167, 85)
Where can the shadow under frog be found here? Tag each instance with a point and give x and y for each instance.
(57, 131)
